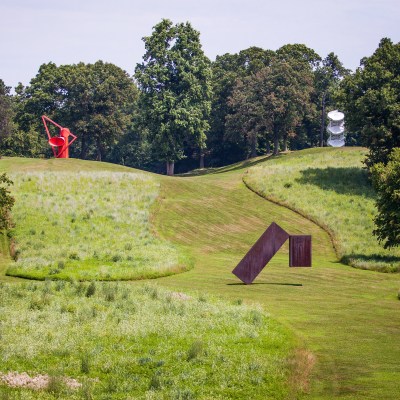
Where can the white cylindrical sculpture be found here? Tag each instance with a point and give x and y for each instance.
(336, 129)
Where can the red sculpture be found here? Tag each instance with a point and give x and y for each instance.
(61, 143)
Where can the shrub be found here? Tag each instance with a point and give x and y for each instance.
(91, 290)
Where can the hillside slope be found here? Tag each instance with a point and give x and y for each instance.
(329, 186)
(347, 320)
(86, 220)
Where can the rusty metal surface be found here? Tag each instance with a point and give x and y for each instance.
(300, 251)
(261, 253)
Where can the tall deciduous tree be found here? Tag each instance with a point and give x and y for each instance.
(6, 113)
(227, 69)
(386, 179)
(95, 101)
(327, 77)
(271, 102)
(175, 83)
(371, 101)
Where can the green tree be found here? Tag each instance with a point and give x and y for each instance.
(386, 180)
(370, 99)
(175, 84)
(227, 69)
(6, 202)
(328, 75)
(6, 113)
(95, 101)
(271, 103)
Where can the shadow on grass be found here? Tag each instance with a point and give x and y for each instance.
(264, 283)
(346, 180)
(373, 262)
(233, 167)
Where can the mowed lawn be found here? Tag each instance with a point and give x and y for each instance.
(347, 321)
(348, 318)
(331, 187)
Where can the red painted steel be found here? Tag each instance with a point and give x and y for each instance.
(300, 251)
(261, 253)
(59, 144)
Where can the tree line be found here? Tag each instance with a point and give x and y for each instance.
(179, 108)
(181, 111)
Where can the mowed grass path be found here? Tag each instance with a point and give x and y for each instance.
(348, 318)
(331, 187)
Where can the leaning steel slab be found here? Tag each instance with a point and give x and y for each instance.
(261, 253)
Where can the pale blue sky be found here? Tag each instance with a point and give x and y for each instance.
(33, 32)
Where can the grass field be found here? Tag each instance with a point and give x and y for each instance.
(346, 321)
(88, 225)
(121, 342)
(330, 187)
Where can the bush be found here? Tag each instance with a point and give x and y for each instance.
(6, 202)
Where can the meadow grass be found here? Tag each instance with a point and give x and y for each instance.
(142, 342)
(88, 225)
(347, 320)
(331, 187)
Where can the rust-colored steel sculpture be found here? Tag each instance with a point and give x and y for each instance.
(261, 253)
(266, 247)
(300, 251)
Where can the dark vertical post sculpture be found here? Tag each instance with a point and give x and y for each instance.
(266, 247)
(261, 253)
(300, 251)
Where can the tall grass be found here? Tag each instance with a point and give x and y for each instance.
(88, 225)
(330, 187)
(141, 342)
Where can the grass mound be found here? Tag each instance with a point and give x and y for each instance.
(330, 187)
(88, 225)
(123, 341)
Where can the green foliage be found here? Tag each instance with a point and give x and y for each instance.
(138, 345)
(103, 232)
(330, 187)
(371, 101)
(271, 103)
(6, 114)
(95, 101)
(174, 79)
(6, 202)
(227, 69)
(386, 180)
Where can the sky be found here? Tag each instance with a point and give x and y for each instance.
(33, 32)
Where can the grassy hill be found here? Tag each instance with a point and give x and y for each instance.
(346, 320)
(330, 187)
(74, 221)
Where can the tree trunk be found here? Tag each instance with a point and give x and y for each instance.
(276, 142)
(285, 140)
(321, 135)
(84, 147)
(201, 161)
(253, 146)
(170, 168)
(99, 157)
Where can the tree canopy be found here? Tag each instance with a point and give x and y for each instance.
(6, 113)
(371, 101)
(386, 179)
(175, 83)
(95, 101)
(272, 102)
